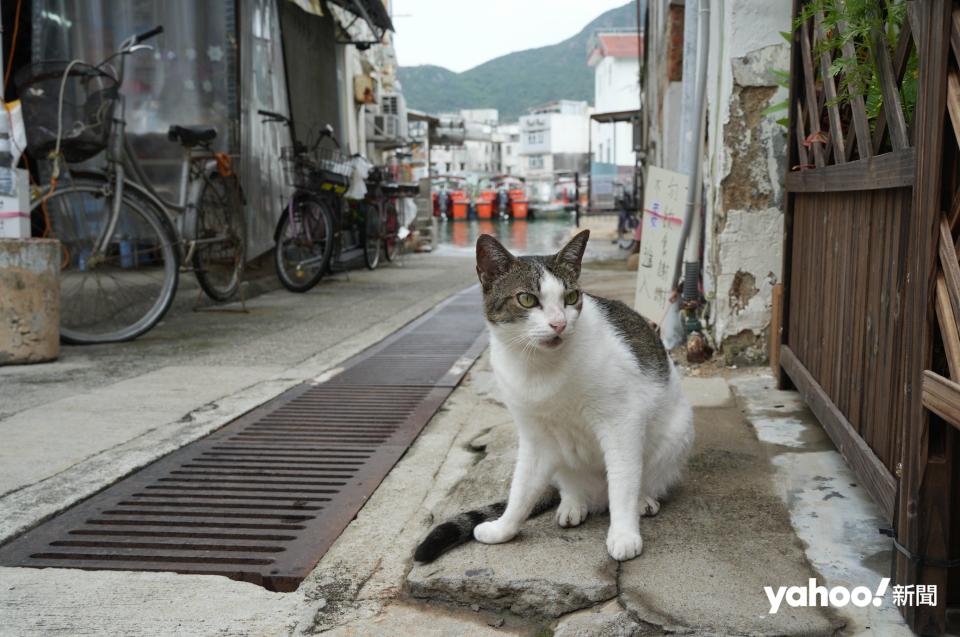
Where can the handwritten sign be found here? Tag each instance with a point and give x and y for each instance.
(664, 203)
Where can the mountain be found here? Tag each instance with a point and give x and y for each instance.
(514, 82)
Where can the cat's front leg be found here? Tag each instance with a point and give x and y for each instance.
(624, 463)
(531, 475)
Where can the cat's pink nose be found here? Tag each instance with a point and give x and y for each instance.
(559, 326)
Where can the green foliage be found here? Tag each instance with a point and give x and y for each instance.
(783, 79)
(854, 22)
(517, 81)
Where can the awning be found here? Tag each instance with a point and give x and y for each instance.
(616, 116)
(419, 116)
(373, 13)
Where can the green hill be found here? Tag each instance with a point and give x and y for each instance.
(517, 81)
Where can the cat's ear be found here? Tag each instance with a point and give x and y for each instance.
(572, 253)
(492, 260)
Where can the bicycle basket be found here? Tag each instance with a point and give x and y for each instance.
(334, 161)
(298, 169)
(89, 95)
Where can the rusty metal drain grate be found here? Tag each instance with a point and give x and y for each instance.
(263, 498)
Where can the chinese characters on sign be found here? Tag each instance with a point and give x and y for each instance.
(664, 202)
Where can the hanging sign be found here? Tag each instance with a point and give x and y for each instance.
(664, 202)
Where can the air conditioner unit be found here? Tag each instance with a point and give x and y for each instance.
(385, 127)
(390, 105)
(389, 124)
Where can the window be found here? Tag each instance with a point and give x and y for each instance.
(463, 166)
(448, 166)
(535, 161)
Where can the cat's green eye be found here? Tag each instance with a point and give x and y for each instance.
(572, 297)
(527, 300)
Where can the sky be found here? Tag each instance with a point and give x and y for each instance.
(461, 34)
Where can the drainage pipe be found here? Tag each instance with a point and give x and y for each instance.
(696, 40)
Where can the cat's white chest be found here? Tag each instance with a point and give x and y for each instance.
(554, 403)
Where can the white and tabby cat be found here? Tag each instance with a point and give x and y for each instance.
(596, 400)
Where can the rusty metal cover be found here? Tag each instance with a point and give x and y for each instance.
(263, 498)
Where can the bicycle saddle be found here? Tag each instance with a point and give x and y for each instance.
(192, 135)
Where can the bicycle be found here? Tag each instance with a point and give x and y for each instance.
(122, 247)
(390, 194)
(395, 233)
(316, 229)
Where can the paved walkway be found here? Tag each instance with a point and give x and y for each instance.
(748, 514)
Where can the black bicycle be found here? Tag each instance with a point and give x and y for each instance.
(319, 231)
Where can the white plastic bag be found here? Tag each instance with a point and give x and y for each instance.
(359, 169)
(671, 331)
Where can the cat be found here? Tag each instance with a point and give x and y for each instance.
(597, 402)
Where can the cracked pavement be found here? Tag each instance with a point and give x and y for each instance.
(723, 535)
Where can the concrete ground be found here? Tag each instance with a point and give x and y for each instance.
(766, 500)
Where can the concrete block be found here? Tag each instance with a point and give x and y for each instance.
(29, 300)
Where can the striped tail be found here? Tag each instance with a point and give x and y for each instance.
(459, 529)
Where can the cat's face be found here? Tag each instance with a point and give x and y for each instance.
(532, 303)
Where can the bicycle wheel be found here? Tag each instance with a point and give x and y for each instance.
(304, 243)
(371, 232)
(118, 294)
(221, 241)
(391, 242)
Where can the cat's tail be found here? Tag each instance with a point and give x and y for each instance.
(459, 529)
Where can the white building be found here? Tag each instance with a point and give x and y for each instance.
(479, 152)
(554, 140)
(509, 137)
(616, 61)
(615, 57)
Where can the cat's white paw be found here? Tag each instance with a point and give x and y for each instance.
(571, 512)
(494, 532)
(649, 506)
(624, 545)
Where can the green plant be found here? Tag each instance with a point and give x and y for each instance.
(783, 79)
(853, 22)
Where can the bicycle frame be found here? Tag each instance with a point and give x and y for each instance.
(124, 169)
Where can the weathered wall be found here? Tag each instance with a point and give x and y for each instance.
(743, 172)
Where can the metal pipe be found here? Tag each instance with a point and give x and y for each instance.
(696, 39)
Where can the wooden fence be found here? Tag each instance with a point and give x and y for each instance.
(871, 278)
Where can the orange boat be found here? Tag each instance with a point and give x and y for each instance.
(452, 188)
(518, 202)
(484, 204)
(461, 204)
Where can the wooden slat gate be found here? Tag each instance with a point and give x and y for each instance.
(871, 277)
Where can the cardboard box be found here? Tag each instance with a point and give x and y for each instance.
(15, 211)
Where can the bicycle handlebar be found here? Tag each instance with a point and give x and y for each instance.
(271, 116)
(146, 35)
(274, 117)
